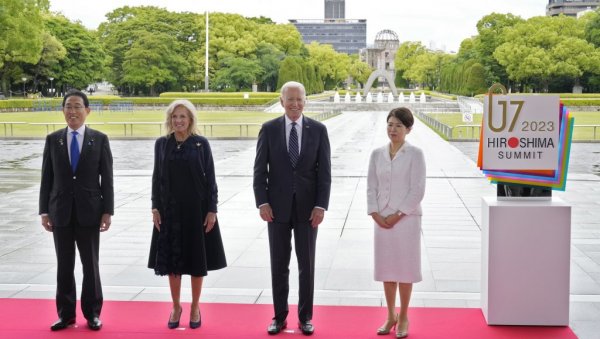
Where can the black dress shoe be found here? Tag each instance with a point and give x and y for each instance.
(61, 324)
(276, 326)
(94, 324)
(196, 324)
(306, 327)
(174, 324)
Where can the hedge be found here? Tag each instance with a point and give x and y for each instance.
(225, 101)
(188, 95)
(581, 102)
(27, 103)
(578, 95)
(31, 103)
(561, 95)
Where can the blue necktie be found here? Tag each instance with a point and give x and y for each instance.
(74, 151)
(293, 145)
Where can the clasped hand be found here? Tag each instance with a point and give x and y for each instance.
(386, 222)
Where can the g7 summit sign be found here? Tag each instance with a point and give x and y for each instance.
(520, 132)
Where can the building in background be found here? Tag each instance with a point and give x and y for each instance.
(570, 7)
(382, 54)
(345, 35)
(335, 9)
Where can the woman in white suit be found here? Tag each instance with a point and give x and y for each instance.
(395, 188)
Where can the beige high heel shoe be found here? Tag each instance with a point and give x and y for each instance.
(387, 326)
(402, 331)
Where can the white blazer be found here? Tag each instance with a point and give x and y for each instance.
(398, 184)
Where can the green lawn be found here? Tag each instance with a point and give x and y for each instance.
(145, 123)
(579, 133)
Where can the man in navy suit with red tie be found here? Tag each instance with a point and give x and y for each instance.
(292, 182)
(76, 204)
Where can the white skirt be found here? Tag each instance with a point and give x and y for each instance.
(398, 251)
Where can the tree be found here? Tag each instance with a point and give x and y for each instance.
(475, 79)
(419, 70)
(463, 74)
(467, 50)
(285, 37)
(406, 55)
(426, 69)
(262, 20)
(310, 79)
(130, 30)
(542, 48)
(237, 73)
(448, 81)
(85, 58)
(269, 59)
(333, 66)
(290, 70)
(53, 52)
(491, 28)
(359, 71)
(150, 62)
(592, 28)
(230, 35)
(21, 38)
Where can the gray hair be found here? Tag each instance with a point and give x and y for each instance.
(292, 84)
(192, 114)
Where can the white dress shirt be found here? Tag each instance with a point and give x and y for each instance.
(288, 129)
(80, 132)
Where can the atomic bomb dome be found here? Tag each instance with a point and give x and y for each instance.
(387, 39)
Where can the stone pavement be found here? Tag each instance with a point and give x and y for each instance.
(451, 242)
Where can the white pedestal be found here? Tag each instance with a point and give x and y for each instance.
(525, 262)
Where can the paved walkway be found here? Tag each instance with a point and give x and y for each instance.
(451, 228)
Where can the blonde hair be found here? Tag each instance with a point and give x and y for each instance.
(192, 114)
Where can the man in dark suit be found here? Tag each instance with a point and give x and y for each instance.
(292, 182)
(76, 204)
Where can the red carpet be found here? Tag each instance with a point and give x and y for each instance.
(31, 318)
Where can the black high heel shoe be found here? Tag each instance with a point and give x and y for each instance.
(174, 324)
(196, 324)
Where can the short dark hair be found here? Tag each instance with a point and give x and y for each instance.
(77, 93)
(404, 115)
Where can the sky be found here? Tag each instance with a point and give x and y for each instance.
(440, 24)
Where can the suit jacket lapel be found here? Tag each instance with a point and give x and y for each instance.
(63, 145)
(284, 139)
(86, 146)
(305, 136)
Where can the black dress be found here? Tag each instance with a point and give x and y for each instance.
(184, 191)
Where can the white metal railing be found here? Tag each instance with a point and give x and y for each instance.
(469, 105)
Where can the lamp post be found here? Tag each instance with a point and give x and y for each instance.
(24, 80)
(51, 87)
